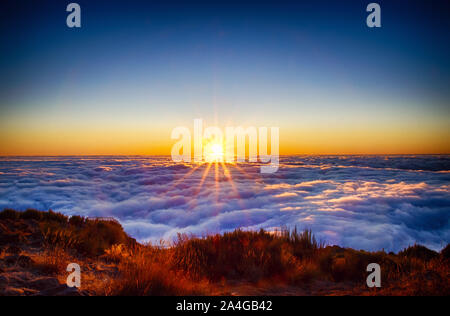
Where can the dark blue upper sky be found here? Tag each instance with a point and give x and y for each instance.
(268, 60)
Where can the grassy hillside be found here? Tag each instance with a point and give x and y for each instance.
(239, 262)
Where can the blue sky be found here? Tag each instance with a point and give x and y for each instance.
(303, 63)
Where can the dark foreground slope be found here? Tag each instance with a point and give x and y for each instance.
(36, 247)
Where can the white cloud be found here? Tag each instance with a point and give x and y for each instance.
(361, 202)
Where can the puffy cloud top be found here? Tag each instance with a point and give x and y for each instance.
(363, 202)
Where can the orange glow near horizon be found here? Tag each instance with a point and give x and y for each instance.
(132, 140)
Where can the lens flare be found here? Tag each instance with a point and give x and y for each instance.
(214, 152)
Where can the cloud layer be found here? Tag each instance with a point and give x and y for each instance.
(367, 202)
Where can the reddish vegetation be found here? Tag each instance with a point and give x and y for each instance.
(35, 248)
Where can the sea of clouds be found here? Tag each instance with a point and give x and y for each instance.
(363, 202)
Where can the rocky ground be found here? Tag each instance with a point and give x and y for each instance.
(21, 254)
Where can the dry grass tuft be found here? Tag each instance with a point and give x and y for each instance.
(148, 272)
(53, 261)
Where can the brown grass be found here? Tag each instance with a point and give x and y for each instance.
(52, 261)
(148, 271)
(194, 266)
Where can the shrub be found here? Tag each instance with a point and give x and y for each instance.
(56, 237)
(305, 273)
(97, 236)
(238, 254)
(92, 238)
(9, 214)
(77, 220)
(445, 253)
(32, 214)
(304, 244)
(419, 252)
(147, 272)
(57, 217)
(117, 253)
(341, 264)
(407, 265)
(52, 261)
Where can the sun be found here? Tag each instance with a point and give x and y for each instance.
(214, 152)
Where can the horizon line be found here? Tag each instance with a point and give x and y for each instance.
(168, 155)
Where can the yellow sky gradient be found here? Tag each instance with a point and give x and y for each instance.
(130, 139)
